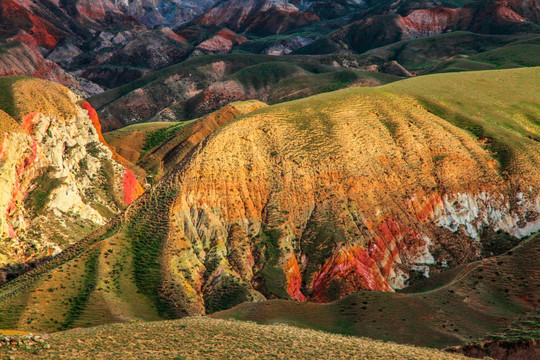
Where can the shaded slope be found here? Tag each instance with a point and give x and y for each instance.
(474, 301)
(519, 340)
(313, 200)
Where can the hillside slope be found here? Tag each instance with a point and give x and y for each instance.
(313, 200)
(202, 85)
(183, 138)
(203, 338)
(59, 180)
(456, 306)
(520, 339)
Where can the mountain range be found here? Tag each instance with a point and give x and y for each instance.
(363, 168)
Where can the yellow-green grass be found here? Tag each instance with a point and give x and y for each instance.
(133, 140)
(310, 84)
(511, 55)
(519, 54)
(145, 127)
(23, 95)
(469, 302)
(96, 287)
(204, 338)
(499, 107)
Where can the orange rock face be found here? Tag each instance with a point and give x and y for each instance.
(321, 197)
(95, 120)
(131, 186)
(294, 279)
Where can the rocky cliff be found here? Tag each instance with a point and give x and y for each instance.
(59, 178)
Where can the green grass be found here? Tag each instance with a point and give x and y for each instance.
(79, 302)
(262, 75)
(148, 231)
(449, 52)
(512, 55)
(37, 199)
(465, 64)
(310, 84)
(159, 136)
(424, 54)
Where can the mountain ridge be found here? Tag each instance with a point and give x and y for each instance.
(199, 246)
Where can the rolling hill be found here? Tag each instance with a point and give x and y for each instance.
(202, 85)
(465, 303)
(314, 199)
(204, 338)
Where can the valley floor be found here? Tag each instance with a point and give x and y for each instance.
(205, 338)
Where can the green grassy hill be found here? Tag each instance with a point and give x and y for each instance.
(452, 52)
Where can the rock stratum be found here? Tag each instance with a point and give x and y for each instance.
(59, 178)
(309, 200)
